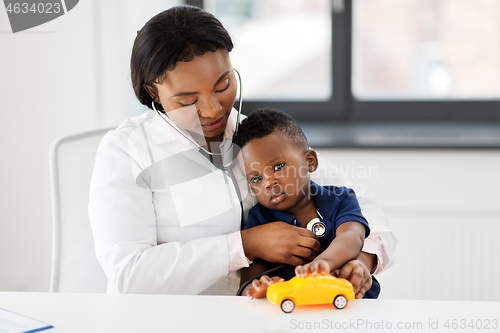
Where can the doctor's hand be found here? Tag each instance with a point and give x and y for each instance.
(358, 274)
(280, 242)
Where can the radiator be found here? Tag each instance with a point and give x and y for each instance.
(452, 255)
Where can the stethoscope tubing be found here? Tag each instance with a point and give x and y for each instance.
(193, 143)
(209, 154)
(258, 276)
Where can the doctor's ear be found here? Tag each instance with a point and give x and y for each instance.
(152, 92)
(312, 160)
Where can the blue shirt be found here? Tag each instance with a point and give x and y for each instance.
(335, 204)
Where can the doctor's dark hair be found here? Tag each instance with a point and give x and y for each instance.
(265, 121)
(176, 34)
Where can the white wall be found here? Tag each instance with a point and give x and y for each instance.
(443, 207)
(66, 76)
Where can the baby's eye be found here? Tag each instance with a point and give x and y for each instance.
(256, 179)
(279, 166)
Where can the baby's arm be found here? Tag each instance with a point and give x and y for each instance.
(346, 246)
(258, 287)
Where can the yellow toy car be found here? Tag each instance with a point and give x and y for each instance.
(320, 289)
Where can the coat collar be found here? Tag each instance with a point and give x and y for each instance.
(163, 133)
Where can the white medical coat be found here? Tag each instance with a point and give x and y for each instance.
(160, 212)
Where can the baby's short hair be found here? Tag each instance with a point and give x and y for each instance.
(265, 121)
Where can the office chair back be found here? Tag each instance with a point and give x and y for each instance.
(75, 267)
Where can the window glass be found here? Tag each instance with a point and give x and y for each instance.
(282, 47)
(426, 49)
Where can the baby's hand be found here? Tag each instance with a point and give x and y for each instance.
(258, 288)
(313, 267)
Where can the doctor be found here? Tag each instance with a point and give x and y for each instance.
(167, 197)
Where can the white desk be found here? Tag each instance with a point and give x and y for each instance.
(166, 313)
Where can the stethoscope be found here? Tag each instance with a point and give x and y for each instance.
(208, 154)
(316, 225)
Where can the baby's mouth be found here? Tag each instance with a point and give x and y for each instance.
(277, 197)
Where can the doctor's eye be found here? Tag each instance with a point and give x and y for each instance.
(279, 166)
(256, 179)
(187, 104)
(225, 88)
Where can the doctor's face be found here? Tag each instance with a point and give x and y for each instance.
(279, 172)
(198, 95)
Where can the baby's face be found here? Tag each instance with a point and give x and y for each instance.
(277, 171)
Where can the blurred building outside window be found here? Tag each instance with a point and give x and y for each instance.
(426, 49)
(282, 47)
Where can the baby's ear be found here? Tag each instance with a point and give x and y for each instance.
(312, 160)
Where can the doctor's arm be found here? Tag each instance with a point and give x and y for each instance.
(123, 222)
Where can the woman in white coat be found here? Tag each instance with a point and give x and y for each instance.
(165, 213)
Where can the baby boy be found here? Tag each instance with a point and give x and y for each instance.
(277, 164)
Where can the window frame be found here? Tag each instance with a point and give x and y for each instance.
(344, 107)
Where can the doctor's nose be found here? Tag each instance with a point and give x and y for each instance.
(209, 108)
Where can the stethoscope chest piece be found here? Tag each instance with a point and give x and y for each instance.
(316, 226)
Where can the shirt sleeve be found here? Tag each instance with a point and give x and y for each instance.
(349, 209)
(381, 240)
(123, 221)
(258, 215)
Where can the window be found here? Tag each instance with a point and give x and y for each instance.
(426, 49)
(284, 51)
(399, 61)
(282, 48)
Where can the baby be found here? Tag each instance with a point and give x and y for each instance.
(277, 163)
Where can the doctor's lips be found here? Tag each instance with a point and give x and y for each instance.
(213, 125)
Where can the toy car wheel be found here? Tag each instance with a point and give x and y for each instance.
(339, 302)
(287, 305)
